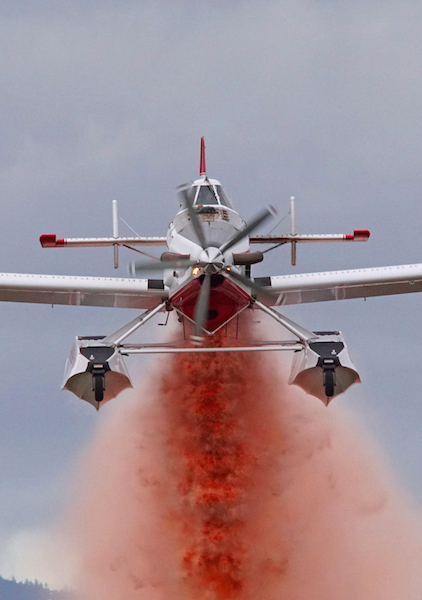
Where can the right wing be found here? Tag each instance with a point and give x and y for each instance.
(340, 285)
(359, 235)
(82, 291)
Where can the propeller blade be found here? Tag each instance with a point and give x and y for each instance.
(249, 283)
(248, 258)
(263, 216)
(137, 268)
(187, 200)
(201, 308)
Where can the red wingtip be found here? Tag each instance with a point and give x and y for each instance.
(49, 240)
(361, 235)
(202, 169)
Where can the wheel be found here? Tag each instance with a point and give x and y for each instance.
(99, 388)
(329, 383)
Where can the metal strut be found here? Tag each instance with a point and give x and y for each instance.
(138, 349)
(121, 334)
(303, 334)
(115, 339)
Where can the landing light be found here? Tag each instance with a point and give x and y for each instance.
(196, 270)
(228, 268)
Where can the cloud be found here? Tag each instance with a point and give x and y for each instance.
(333, 89)
(38, 554)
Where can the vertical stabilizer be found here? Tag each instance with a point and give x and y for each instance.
(202, 169)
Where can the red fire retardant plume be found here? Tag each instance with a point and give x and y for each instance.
(220, 483)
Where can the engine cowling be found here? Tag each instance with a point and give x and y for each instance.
(323, 368)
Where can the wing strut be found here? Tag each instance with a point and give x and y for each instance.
(303, 334)
(293, 229)
(121, 334)
(115, 233)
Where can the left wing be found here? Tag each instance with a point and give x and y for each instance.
(49, 240)
(340, 285)
(82, 291)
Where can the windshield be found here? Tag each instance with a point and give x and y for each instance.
(223, 198)
(206, 195)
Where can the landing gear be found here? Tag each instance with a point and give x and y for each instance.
(98, 386)
(329, 382)
(329, 362)
(98, 371)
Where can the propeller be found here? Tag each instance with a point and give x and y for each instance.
(211, 260)
(193, 215)
(249, 283)
(137, 268)
(201, 309)
(268, 211)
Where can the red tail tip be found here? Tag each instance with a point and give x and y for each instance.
(202, 169)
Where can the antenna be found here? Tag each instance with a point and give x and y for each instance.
(115, 233)
(293, 228)
(202, 169)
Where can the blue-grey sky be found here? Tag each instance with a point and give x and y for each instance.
(103, 100)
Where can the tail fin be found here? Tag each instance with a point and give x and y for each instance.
(202, 169)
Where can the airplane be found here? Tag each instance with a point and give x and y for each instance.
(207, 282)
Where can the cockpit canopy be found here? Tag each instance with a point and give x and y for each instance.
(209, 191)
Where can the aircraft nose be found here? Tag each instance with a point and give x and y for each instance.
(212, 256)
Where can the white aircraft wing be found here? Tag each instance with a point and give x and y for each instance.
(340, 285)
(82, 291)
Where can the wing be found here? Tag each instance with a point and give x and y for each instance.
(49, 240)
(82, 291)
(359, 235)
(340, 285)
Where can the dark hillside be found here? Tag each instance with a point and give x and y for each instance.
(13, 590)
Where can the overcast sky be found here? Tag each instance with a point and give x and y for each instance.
(103, 100)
